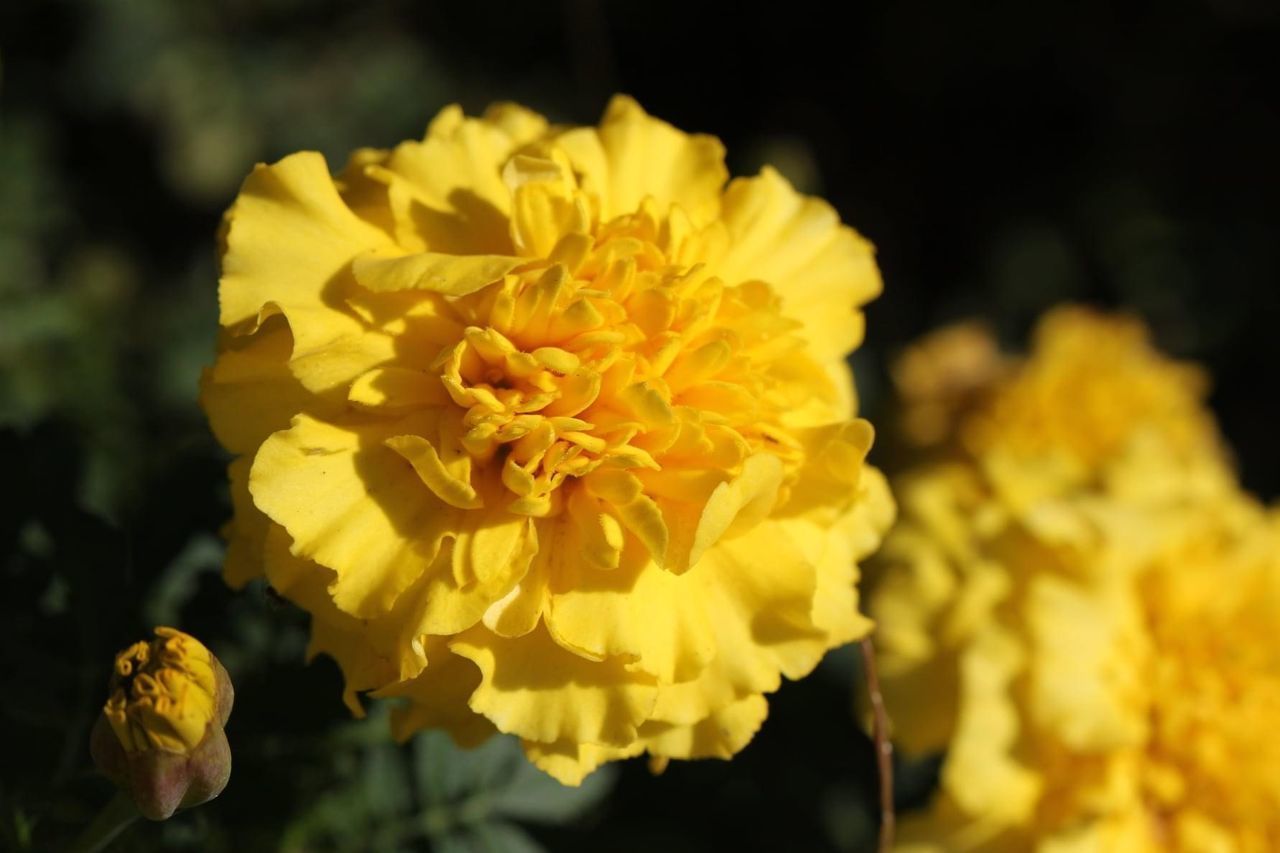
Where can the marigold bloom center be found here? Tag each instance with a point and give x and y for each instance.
(598, 357)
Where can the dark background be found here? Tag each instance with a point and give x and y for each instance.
(1003, 159)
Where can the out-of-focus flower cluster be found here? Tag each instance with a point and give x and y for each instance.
(550, 429)
(1080, 604)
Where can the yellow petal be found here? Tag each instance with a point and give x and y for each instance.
(353, 505)
(330, 368)
(521, 124)
(718, 686)
(450, 275)
(454, 176)
(637, 611)
(368, 198)
(836, 550)
(533, 688)
(830, 479)
(493, 547)
(1087, 679)
(387, 649)
(841, 510)
(981, 772)
(250, 393)
(633, 156)
(483, 557)
(569, 763)
(246, 532)
(543, 217)
(637, 511)
(397, 389)
(546, 204)
(720, 735)
(598, 533)
(451, 486)
(438, 699)
(517, 613)
(743, 501)
(289, 242)
(824, 271)
(758, 591)
(334, 633)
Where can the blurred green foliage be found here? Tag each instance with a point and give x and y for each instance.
(1002, 161)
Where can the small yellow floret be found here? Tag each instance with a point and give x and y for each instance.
(162, 694)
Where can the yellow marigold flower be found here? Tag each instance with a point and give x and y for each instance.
(549, 429)
(1078, 605)
(160, 734)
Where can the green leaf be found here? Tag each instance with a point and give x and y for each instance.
(531, 795)
(385, 782)
(494, 837)
(178, 583)
(462, 787)
(447, 774)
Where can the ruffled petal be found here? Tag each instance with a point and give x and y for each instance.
(828, 484)
(397, 390)
(368, 198)
(534, 688)
(289, 243)
(246, 533)
(758, 591)
(824, 271)
(738, 504)
(449, 275)
(393, 648)
(339, 635)
(980, 771)
(1087, 681)
(438, 699)
(352, 505)
(633, 156)
(521, 609)
(249, 392)
(637, 611)
(765, 588)
(569, 763)
(458, 201)
(722, 734)
(835, 551)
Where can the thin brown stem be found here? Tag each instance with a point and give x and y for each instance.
(884, 749)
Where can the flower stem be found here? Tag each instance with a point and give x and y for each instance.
(114, 818)
(884, 749)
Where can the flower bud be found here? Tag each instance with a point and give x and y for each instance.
(160, 735)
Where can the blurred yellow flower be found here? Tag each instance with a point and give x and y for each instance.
(941, 375)
(160, 734)
(1079, 606)
(549, 429)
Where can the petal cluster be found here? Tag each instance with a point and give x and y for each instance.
(160, 735)
(549, 429)
(162, 693)
(1079, 603)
